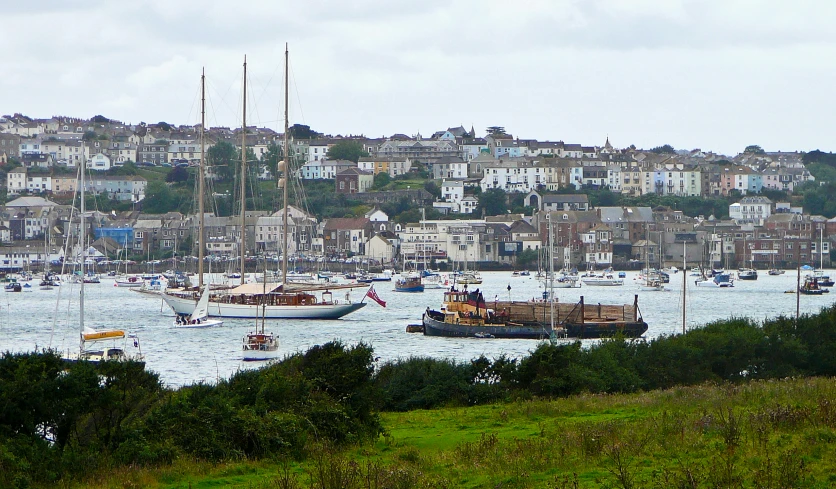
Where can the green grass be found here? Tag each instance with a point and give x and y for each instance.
(157, 174)
(412, 184)
(760, 434)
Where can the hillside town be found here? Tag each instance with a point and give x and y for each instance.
(455, 170)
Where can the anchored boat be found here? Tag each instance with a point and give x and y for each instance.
(466, 314)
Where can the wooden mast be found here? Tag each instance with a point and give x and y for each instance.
(244, 177)
(684, 282)
(286, 169)
(201, 177)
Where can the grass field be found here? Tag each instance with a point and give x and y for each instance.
(775, 434)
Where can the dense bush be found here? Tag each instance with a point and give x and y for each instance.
(57, 420)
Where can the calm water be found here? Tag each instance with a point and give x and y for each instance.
(183, 356)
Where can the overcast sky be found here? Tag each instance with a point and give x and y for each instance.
(716, 75)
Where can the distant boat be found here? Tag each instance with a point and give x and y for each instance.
(747, 274)
(199, 318)
(775, 271)
(601, 279)
(811, 287)
(409, 283)
(128, 282)
(719, 280)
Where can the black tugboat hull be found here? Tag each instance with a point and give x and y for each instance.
(434, 327)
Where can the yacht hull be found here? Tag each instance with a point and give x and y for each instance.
(182, 305)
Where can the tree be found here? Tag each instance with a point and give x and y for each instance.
(165, 126)
(493, 202)
(89, 136)
(223, 159)
(301, 131)
(100, 119)
(159, 198)
(495, 130)
(754, 149)
(433, 188)
(272, 157)
(664, 149)
(347, 150)
(177, 174)
(527, 258)
(381, 180)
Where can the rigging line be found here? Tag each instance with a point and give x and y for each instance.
(192, 108)
(267, 85)
(253, 103)
(223, 97)
(296, 91)
(66, 243)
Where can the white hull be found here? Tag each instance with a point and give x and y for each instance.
(128, 284)
(652, 288)
(217, 309)
(606, 282)
(204, 323)
(433, 285)
(712, 284)
(259, 355)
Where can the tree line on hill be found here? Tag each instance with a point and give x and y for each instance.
(61, 422)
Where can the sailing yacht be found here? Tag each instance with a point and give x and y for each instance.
(276, 300)
(89, 337)
(652, 279)
(563, 279)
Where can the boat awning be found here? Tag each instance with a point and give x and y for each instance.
(105, 334)
(275, 288)
(252, 289)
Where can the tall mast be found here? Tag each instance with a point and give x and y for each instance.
(244, 176)
(201, 177)
(83, 258)
(286, 172)
(684, 282)
(821, 248)
(551, 271)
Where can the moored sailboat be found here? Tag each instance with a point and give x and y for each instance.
(278, 300)
(90, 336)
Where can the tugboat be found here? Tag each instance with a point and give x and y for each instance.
(811, 287)
(466, 314)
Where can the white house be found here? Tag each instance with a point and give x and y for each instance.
(377, 215)
(381, 248)
(16, 181)
(318, 150)
(36, 183)
(517, 175)
(469, 204)
(452, 191)
(751, 210)
(99, 162)
(330, 168)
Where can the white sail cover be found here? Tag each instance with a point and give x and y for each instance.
(201, 311)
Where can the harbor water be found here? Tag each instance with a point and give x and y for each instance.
(49, 319)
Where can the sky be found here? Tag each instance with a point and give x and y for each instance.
(716, 75)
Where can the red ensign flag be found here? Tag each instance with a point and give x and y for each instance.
(373, 296)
